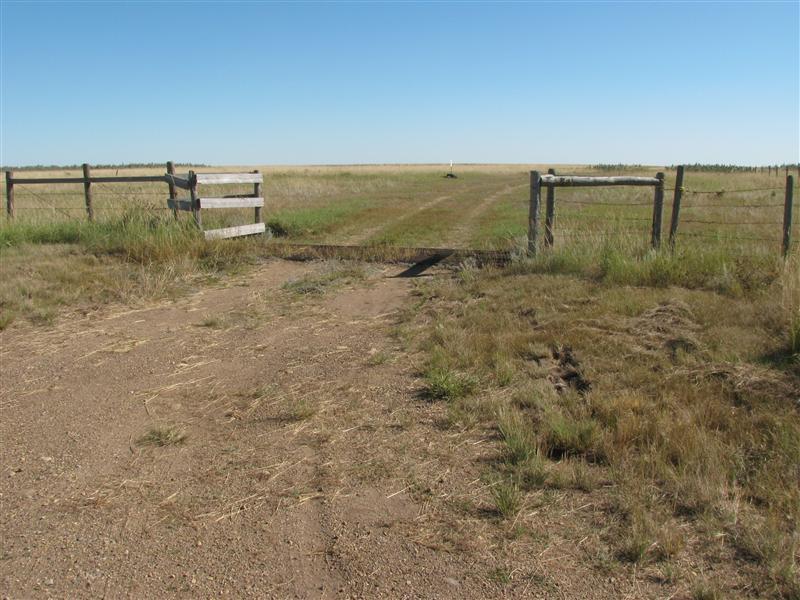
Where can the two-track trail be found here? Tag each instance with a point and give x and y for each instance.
(312, 466)
(296, 474)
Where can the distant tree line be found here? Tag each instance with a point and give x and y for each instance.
(734, 168)
(701, 167)
(150, 165)
(616, 167)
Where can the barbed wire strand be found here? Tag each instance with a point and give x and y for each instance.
(688, 206)
(728, 238)
(592, 203)
(703, 222)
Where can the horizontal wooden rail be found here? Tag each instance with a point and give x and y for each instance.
(231, 202)
(218, 178)
(570, 180)
(181, 182)
(130, 179)
(177, 204)
(229, 232)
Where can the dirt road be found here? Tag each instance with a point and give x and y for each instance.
(311, 465)
(292, 480)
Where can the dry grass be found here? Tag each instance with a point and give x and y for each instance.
(328, 276)
(682, 401)
(398, 205)
(163, 435)
(790, 285)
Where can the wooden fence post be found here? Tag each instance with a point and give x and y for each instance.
(195, 202)
(787, 216)
(257, 194)
(10, 194)
(550, 211)
(533, 212)
(658, 209)
(676, 207)
(87, 191)
(171, 183)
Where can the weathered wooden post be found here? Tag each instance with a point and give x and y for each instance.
(658, 209)
(171, 183)
(10, 194)
(533, 212)
(676, 207)
(550, 211)
(87, 191)
(194, 199)
(257, 194)
(787, 216)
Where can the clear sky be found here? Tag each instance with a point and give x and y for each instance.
(309, 83)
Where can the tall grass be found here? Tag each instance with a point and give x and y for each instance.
(697, 444)
(728, 267)
(790, 286)
(47, 266)
(137, 236)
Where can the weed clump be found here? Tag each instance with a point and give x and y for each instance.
(445, 384)
(164, 435)
(507, 498)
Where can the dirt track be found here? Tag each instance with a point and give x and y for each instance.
(263, 499)
(312, 467)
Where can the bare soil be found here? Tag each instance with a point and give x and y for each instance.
(312, 466)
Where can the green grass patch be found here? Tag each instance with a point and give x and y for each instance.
(445, 384)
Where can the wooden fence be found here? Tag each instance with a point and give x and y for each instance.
(551, 181)
(190, 182)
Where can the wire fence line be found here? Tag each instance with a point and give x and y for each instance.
(108, 198)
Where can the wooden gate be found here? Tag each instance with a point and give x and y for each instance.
(197, 202)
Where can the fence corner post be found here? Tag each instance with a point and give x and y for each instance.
(171, 183)
(787, 216)
(198, 219)
(658, 209)
(533, 212)
(676, 207)
(257, 194)
(550, 211)
(10, 211)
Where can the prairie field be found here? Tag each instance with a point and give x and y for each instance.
(600, 420)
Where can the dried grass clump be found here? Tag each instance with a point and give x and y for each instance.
(163, 435)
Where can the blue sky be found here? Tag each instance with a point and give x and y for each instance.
(309, 83)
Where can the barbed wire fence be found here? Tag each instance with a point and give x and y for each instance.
(749, 214)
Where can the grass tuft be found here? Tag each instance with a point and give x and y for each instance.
(517, 434)
(507, 498)
(445, 384)
(163, 435)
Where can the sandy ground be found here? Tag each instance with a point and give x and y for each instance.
(312, 467)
